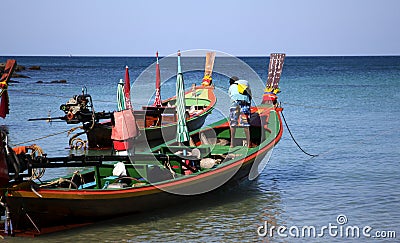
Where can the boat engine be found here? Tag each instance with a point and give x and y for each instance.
(78, 109)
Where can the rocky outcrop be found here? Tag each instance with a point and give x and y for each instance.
(17, 75)
(19, 68)
(62, 81)
(34, 68)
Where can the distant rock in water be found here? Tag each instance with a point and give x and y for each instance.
(34, 68)
(16, 75)
(17, 69)
(62, 81)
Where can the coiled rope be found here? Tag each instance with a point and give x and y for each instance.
(58, 182)
(294, 140)
(37, 173)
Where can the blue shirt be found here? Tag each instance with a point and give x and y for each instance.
(235, 95)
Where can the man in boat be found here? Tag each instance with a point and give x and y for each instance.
(239, 111)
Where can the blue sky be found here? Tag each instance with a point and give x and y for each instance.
(253, 27)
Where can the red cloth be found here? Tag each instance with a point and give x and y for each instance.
(8, 70)
(157, 101)
(125, 126)
(4, 105)
(20, 150)
(127, 89)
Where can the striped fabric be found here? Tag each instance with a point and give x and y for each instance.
(121, 96)
(182, 134)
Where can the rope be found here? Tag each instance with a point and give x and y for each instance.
(36, 149)
(34, 191)
(294, 140)
(58, 96)
(78, 143)
(50, 135)
(168, 165)
(67, 97)
(311, 107)
(58, 181)
(37, 173)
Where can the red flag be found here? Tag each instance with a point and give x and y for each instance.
(127, 89)
(157, 101)
(4, 110)
(8, 71)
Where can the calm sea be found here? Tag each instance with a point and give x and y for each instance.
(345, 109)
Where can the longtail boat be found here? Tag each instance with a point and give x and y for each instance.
(111, 186)
(157, 122)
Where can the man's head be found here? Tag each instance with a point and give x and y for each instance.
(233, 79)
